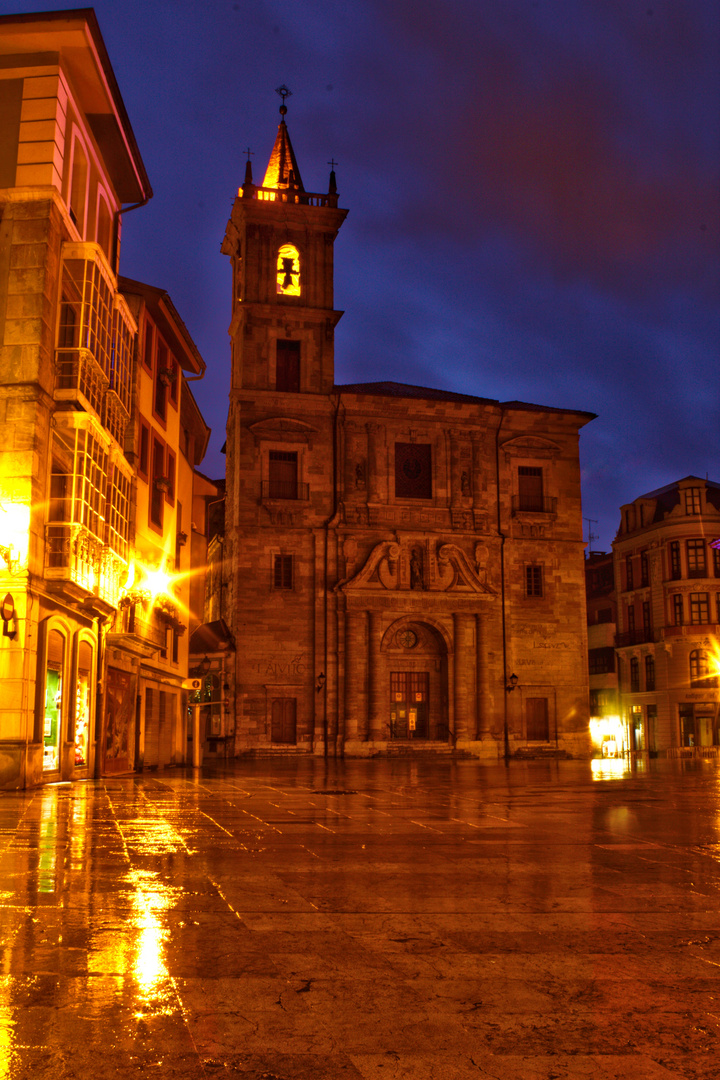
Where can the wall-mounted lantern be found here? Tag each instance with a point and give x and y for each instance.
(9, 618)
(512, 683)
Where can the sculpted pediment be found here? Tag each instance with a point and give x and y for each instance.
(530, 446)
(283, 428)
(419, 566)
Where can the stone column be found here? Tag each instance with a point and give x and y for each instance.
(455, 474)
(376, 468)
(356, 675)
(484, 726)
(477, 471)
(465, 662)
(377, 710)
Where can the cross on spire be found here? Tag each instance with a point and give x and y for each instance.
(332, 163)
(284, 92)
(250, 153)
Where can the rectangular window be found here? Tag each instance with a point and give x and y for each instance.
(413, 471)
(647, 617)
(678, 610)
(699, 608)
(170, 493)
(282, 571)
(536, 718)
(644, 571)
(118, 512)
(144, 451)
(692, 501)
(157, 493)
(148, 344)
(530, 489)
(283, 474)
(634, 675)
(649, 672)
(533, 580)
(161, 381)
(175, 645)
(716, 561)
(675, 569)
(287, 366)
(631, 618)
(696, 558)
(629, 578)
(602, 661)
(174, 375)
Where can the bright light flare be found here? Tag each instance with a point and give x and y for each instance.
(14, 533)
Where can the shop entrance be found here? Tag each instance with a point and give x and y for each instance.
(409, 698)
(54, 690)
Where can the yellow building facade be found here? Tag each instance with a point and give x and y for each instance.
(101, 432)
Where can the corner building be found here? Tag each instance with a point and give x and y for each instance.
(667, 570)
(403, 566)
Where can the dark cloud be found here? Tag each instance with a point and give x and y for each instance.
(533, 193)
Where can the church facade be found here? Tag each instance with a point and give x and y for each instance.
(403, 566)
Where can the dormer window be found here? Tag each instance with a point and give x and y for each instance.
(288, 271)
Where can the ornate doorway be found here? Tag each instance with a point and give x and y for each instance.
(415, 681)
(409, 704)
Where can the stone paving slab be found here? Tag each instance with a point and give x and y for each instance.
(366, 920)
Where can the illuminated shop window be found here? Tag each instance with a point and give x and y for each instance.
(52, 722)
(82, 703)
(288, 271)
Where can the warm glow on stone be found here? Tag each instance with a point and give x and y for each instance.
(288, 271)
(14, 533)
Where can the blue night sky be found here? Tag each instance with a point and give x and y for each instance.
(533, 189)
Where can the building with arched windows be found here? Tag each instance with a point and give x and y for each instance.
(667, 577)
(402, 566)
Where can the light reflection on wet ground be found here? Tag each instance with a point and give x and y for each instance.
(384, 920)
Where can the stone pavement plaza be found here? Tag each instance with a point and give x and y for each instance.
(380, 919)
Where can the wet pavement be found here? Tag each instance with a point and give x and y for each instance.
(383, 920)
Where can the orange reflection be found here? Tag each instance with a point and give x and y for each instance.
(150, 899)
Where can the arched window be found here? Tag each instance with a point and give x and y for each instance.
(53, 705)
(78, 185)
(83, 703)
(104, 226)
(288, 271)
(701, 673)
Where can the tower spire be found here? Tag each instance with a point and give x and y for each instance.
(282, 170)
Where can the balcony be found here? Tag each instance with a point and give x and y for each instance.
(635, 637)
(80, 379)
(80, 565)
(285, 490)
(534, 504)
(115, 416)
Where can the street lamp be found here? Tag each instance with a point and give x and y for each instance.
(512, 683)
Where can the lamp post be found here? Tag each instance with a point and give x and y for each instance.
(509, 687)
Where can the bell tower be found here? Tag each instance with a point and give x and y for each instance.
(280, 241)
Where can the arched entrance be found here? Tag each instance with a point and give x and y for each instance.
(416, 677)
